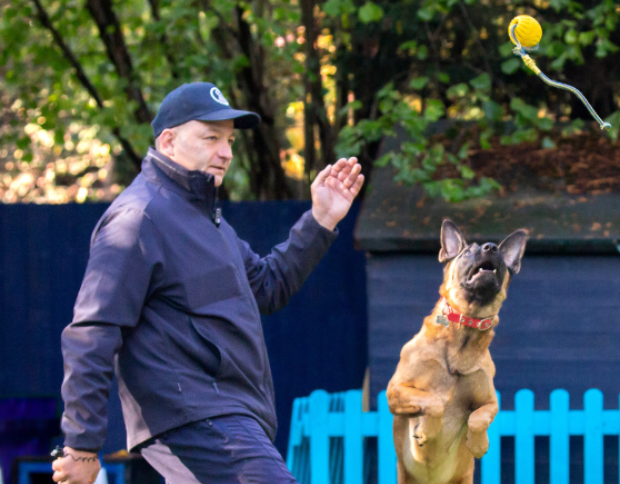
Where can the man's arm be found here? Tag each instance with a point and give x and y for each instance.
(122, 271)
(275, 278)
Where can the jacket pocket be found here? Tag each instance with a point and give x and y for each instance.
(209, 353)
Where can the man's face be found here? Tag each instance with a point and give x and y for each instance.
(203, 146)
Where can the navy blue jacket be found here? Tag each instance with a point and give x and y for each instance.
(170, 302)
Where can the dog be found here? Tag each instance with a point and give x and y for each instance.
(442, 394)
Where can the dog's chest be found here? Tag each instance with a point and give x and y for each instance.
(460, 386)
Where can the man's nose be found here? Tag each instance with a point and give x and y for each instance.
(225, 151)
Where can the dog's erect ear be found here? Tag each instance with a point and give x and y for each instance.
(452, 241)
(512, 248)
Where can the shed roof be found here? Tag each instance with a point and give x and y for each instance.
(396, 217)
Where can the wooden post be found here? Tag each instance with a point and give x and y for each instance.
(593, 437)
(524, 437)
(353, 443)
(560, 438)
(319, 438)
(387, 454)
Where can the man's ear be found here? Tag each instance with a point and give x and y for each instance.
(452, 241)
(165, 142)
(512, 248)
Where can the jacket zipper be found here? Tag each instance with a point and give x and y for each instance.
(264, 358)
(217, 217)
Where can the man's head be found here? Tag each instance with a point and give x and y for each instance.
(195, 128)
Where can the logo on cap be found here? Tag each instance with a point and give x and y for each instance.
(217, 96)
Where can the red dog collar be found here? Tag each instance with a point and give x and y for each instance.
(449, 314)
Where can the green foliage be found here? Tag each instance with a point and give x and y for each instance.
(370, 12)
(417, 159)
(408, 64)
(460, 65)
(335, 8)
(189, 41)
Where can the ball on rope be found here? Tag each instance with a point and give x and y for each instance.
(528, 31)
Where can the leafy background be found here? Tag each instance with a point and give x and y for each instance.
(81, 80)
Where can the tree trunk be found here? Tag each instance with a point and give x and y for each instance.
(269, 180)
(112, 36)
(84, 80)
(315, 112)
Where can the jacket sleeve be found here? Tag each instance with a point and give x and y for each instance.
(276, 277)
(125, 257)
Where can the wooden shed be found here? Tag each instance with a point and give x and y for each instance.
(559, 327)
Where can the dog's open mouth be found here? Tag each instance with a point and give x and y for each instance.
(481, 270)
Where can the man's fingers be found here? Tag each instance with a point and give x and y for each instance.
(355, 171)
(339, 165)
(333, 182)
(348, 168)
(59, 476)
(344, 173)
(322, 176)
(350, 185)
(355, 189)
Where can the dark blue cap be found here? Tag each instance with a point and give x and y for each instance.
(200, 101)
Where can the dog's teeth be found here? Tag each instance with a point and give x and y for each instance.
(494, 271)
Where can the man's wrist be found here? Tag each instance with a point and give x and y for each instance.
(80, 452)
(324, 220)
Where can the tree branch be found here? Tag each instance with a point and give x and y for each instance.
(112, 36)
(83, 78)
(267, 178)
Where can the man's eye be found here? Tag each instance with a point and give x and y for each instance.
(467, 252)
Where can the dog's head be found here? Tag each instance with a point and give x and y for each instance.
(477, 276)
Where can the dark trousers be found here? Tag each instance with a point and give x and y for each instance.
(223, 450)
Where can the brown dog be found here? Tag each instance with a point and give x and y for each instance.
(442, 394)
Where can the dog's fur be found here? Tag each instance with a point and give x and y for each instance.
(442, 394)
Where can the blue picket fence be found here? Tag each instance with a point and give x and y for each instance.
(329, 443)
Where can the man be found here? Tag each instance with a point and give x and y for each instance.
(170, 302)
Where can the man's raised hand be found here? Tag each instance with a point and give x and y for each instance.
(333, 191)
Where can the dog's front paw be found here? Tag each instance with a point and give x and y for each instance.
(419, 437)
(427, 428)
(477, 443)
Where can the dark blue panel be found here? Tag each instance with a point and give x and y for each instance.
(318, 341)
(559, 327)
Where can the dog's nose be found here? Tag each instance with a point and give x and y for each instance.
(489, 247)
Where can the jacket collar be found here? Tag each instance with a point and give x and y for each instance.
(193, 184)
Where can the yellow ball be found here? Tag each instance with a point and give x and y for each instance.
(528, 31)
